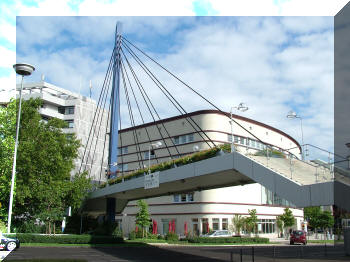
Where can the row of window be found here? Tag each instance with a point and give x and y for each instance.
(246, 142)
(70, 123)
(66, 110)
(183, 198)
(178, 140)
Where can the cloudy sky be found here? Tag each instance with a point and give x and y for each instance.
(273, 64)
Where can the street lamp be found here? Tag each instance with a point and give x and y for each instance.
(292, 115)
(156, 145)
(23, 70)
(241, 107)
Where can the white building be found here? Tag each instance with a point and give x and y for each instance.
(78, 111)
(217, 206)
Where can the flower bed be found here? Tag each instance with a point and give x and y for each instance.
(205, 154)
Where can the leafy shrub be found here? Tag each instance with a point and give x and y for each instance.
(3, 227)
(30, 227)
(68, 239)
(171, 237)
(133, 234)
(238, 240)
(167, 165)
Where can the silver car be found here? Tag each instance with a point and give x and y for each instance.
(219, 233)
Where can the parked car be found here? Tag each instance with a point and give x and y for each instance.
(9, 244)
(219, 233)
(298, 236)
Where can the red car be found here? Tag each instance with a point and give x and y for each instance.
(298, 236)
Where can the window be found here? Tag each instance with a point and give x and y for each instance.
(236, 139)
(183, 197)
(224, 223)
(70, 123)
(205, 225)
(267, 226)
(195, 227)
(123, 167)
(147, 154)
(183, 139)
(123, 150)
(190, 197)
(216, 222)
(68, 110)
(176, 198)
(229, 138)
(242, 141)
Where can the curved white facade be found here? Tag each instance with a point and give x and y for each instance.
(215, 207)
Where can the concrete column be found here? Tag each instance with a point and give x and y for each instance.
(347, 241)
(110, 209)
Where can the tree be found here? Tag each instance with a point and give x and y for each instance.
(238, 223)
(7, 145)
(44, 187)
(280, 224)
(287, 218)
(326, 221)
(251, 221)
(143, 217)
(312, 216)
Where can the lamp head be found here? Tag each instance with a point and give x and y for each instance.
(23, 69)
(292, 114)
(157, 144)
(242, 107)
(195, 148)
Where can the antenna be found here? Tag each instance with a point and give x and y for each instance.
(90, 88)
(42, 77)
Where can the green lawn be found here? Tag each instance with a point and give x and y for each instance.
(319, 241)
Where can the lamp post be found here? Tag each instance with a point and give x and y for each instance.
(241, 107)
(292, 115)
(23, 70)
(156, 145)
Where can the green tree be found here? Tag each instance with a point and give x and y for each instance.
(287, 218)
(7, 145)
(44, 186)
(326, 221)
(143, 217)
(280, 224)
(237, 224)
(312, 216)
(251, 221)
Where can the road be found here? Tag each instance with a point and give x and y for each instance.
(170, 253)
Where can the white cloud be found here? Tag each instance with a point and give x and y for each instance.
(8, 57)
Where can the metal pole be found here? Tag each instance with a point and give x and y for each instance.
(302, 138)
(241, 254)
(149, 159)
(232, 144)
(14, 159)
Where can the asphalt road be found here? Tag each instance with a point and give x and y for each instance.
(185, 253)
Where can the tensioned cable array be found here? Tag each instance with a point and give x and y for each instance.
(135, 96)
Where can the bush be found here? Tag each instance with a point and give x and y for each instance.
(171, 237)
(133, 234)
(234, 240)
(3, 227)
(29, 227)
(68, 239)
(271, 153)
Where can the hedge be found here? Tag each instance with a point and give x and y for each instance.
(188, 159)
(233, 240)
(68, 239)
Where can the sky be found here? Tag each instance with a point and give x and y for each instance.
(270, 60)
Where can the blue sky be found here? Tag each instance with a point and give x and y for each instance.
(274, 64)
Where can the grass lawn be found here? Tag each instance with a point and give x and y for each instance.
(319, 241)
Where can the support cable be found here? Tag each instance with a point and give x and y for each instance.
(193, 90)
(98, 103)
(99, 122)
(144, 96)
(161, 87)
(104, 144)
(138, 107)
(132, 122)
